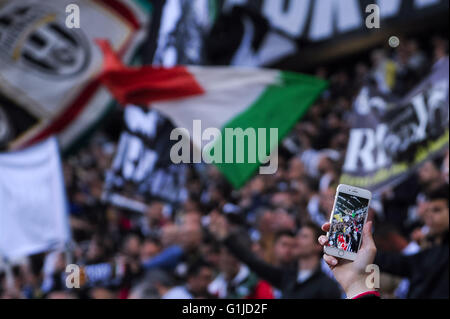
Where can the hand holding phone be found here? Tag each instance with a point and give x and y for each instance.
(350, 210)
(350, 239)
(352, 275)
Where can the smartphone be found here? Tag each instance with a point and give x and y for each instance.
(351, 205)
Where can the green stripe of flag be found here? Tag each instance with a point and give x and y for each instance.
(280, 106)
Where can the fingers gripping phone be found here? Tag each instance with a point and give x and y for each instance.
(351, 205)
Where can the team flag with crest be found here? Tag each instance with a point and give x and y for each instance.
(49, 70)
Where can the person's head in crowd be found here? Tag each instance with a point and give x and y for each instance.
(210, 250)
(327, 162)
(62, 295)
(306, 188)
(191, 204)
(436, 215)
(154, 285)
(282, 199)
(283, 220)
(307, 245)
(154, 213)
(338, 141)
(191, 236)
(192, 217)
(430, 176)
(194, 185)
(132, 246)
(96, 251)
(150, 247)
(199, 275)
(102, 293)
(257, 248)
(284, 247)
(228, 264)
(388, 285)
(440, 46)
(306, 137)
(257, 185)
(264, 220)
(296, 168)
(170, 235)
(326, 200)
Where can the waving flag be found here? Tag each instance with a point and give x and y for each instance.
(220, 97)
(48, 72)
(33, 207)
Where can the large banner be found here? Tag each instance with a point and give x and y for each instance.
(33, 206)
(301, 33)
(49, 64)
(390, 138)
(142, 169)
(183, 26)
(214, 32)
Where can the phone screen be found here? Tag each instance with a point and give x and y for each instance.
(348, 220)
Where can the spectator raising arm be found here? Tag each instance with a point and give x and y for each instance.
(220, 229)
(167, 259)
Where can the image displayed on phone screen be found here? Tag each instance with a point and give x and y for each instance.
(347, 223)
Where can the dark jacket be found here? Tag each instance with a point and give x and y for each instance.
(317, 286)
(427, 270)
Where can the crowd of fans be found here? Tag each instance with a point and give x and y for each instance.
(259, 241)
(346, 231)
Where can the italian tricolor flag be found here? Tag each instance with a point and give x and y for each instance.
(220, 97)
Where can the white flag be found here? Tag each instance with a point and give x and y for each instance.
(33, 207)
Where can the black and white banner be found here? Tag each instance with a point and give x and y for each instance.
(267, 32)
(142, 168)
(389, 139)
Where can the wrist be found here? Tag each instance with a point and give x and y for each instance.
(357, 287)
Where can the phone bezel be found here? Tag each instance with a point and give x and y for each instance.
(351, 190)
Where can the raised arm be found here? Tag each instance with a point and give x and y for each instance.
(394, 263)
(219, 228)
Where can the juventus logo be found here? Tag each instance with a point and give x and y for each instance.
(38, 36)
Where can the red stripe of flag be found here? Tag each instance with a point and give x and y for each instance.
(146, 84)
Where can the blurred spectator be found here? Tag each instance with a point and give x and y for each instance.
(304, 280)
(198, 277)
(428, 269)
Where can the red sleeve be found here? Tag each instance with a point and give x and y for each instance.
(124, 293)
(263, 290)
(368, 294)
